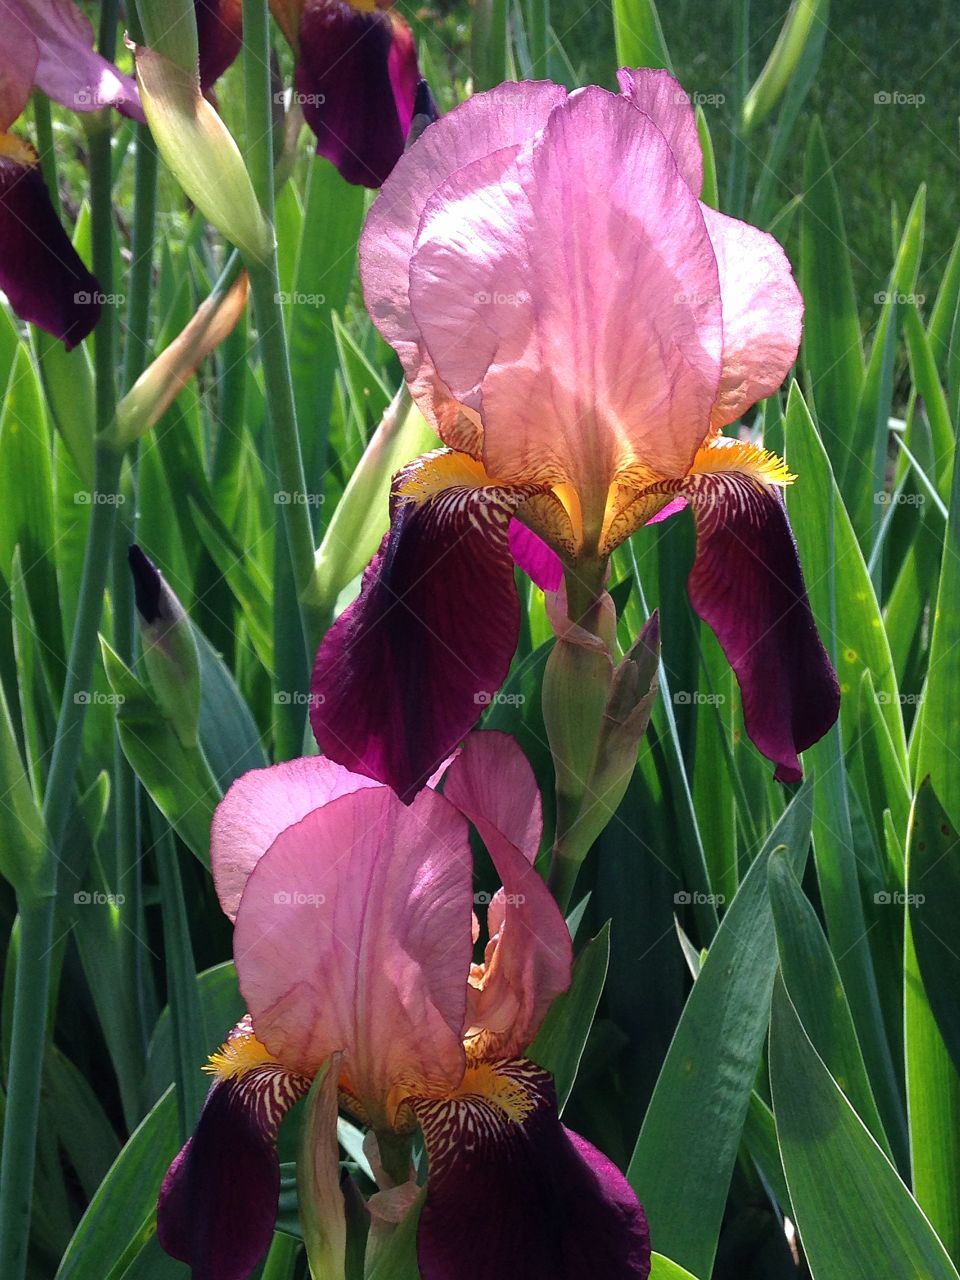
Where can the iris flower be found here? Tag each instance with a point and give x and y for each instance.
(48, 45)
(356, 79)
(579, 326)
(354, 941)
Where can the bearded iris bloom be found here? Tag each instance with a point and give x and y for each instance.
(579, 327)
(354, 942)
(356, 80)
(48, 45)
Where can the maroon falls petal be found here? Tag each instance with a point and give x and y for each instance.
(219, 37)
(409, 667)
(747, 584)
(218, 1203)
(513, 1195)
(40, 271)
(357, 81)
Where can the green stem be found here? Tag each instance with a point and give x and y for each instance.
(37, 919)
(45, 150)
(33, 971)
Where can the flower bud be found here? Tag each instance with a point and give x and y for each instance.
(362, 515)
(163, 380)
(595, 712)
(169, 647)
(200, 152)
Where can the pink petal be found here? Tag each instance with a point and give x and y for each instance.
(484, 123)
(491, 781)
(261, 804)
(353, 935)
(18, 66)
(660, 96)
(673, 507)
(528, 965)
(762, 315)
(535, 558)
(569, 290)
(69, 71)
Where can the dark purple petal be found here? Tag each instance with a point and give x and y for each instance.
(747, 584)
(218, 1203)
(535, 558)
(357, 80)
(408, 668)
(513, 1195)
(40, 271)
(219, 37)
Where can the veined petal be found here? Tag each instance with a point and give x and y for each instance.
(68, 70)
(353, 935)
(660, 95)
(356, 80)
(261, 804)
(762, 314)
(528, 958)
(747, 584)
(219, 37)
(535, 558)
(518, 1194)
(486, 122)
(407, 669)
(40, 271)
(568, 290)
(218, 1202)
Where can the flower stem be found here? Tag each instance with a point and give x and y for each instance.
(37, 918)
(268, 313)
